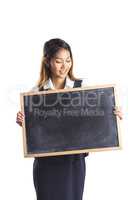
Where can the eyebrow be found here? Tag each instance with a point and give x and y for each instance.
(61, 58)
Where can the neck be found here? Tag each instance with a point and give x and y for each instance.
(58, 83)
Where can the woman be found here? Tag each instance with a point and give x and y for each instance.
(58, 177)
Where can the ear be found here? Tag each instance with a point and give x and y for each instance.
(46, 62)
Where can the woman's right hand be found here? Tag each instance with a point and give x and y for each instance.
(19, 118)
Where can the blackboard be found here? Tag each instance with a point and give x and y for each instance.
(70, 121)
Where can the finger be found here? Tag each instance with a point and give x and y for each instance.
(20, 113)
(119, 115)
(117, 111)
(19, 123)
(19, 120)
(21, 117)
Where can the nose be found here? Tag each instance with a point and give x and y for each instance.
(63, 66)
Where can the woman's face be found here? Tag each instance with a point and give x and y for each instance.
(61, 63)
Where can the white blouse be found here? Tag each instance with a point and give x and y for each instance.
(68, 84)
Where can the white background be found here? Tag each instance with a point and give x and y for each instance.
(100, 34)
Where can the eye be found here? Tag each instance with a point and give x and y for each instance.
(58, 60)
(68, 61)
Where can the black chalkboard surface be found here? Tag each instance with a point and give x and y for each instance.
(67, 121)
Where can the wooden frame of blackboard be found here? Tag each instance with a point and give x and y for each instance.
(27, 154)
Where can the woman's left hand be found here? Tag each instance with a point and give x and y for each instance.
(118, 112)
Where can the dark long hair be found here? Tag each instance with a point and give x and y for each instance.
(51, 47)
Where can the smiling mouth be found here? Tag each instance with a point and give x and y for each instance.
(63, 72)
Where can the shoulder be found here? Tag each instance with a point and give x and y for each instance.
(34, 89)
